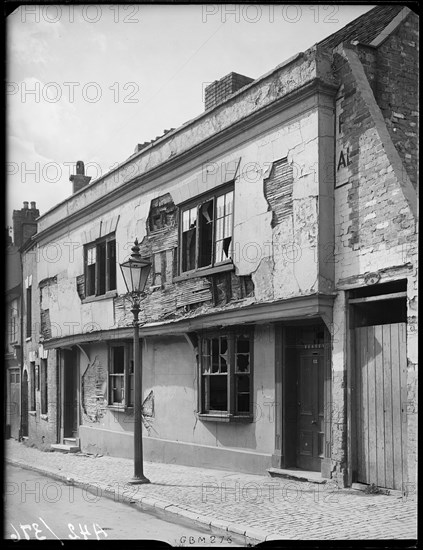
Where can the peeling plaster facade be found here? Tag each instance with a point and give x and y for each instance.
(300, 245)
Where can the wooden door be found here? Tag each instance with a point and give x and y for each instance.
(310, 411)
(15, 402)
(381, 399)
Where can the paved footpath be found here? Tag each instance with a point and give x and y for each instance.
(255, 507)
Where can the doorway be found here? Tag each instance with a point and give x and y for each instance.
(25, 404)
(15, 402)
(306, 387)
(378, 317)
(70, 393)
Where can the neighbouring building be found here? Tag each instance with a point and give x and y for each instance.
(279, 323)
(15, 376)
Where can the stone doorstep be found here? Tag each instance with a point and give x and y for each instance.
(62, 448)
(297, 474)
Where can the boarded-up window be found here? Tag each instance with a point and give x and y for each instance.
(278, 190)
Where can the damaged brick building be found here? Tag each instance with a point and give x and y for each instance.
(279, 323)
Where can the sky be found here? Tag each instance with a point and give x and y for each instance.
(89, 82)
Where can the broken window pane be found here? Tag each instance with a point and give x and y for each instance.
(218, 388)
(226, 247)
(243, 345)
(224, 227)
(118, 360)
(111, 264)
(189, 239)
(215, 355)
(206, 234)
(101, 268)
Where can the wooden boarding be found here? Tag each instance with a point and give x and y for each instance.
(381, 374)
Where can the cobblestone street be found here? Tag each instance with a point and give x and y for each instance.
(258, 507)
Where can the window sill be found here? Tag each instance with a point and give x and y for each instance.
(120, 408)
(32, 413)
(44, 416)
(28, 338)
(215, 417)
(107, 296)
(203, 271)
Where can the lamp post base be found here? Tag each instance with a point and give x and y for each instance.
(138, 480)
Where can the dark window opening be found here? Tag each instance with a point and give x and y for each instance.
(206, 234)
(111, 264)
(379, 289)
(29, 312)
(100, 267)
(381, 312)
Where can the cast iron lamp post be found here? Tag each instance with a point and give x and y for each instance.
(135, 272)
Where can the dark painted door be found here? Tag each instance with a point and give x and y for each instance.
(25, 404)
(70, 397)
(310, 410)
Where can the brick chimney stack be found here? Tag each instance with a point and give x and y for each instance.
(219, 90)
(79, 180)
(24, 223)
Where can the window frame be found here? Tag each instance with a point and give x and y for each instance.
(196, 204)
(96, 245)
(13, 321)
(28, 328)
(127, 375)
(231, 414)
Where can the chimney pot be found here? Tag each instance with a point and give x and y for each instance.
(33, 205)
(25, 205)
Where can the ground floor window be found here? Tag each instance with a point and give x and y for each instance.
(121, 375)
(226, 363)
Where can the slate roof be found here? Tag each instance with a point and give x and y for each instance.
(365, 28)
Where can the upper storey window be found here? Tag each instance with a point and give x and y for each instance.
(100, 266)
(206, 231)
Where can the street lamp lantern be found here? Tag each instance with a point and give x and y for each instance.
(135, 273)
